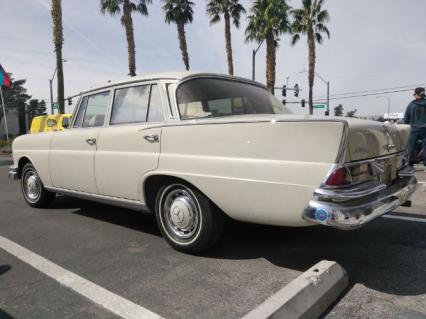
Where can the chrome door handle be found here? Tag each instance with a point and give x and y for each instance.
(91, 141)
(152, 138)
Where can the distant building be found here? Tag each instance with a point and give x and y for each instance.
(14, 125)
(393, 116)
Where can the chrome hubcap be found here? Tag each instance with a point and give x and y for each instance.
(32, 186)
(181, 213)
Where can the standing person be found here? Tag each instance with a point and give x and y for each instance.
(415, 115)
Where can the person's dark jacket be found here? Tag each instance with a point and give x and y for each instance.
(415, 115)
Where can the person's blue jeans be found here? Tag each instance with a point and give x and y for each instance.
(417, 133)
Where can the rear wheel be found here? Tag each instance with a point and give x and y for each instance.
(187, 219)
(33, 189)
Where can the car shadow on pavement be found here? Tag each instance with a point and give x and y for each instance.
(4, 269)
(5, 315)
(140, 221)
(387, 255)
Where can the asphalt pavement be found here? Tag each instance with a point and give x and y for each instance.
(122, 252)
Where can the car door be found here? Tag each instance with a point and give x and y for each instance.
(129, 146)
(72, 153)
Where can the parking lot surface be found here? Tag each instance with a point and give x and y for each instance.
(122, 251)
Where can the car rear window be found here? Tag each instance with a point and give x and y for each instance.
(209, 97)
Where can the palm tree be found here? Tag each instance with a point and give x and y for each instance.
(269, 19)
(310, 21)
(114, 7)
(229, 9)
(58, 41)
(180, 12)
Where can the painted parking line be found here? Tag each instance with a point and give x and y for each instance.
(106, 299)
(412, 219)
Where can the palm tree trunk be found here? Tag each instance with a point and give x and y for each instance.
(182, 44)
(228, 43)
(311, 45)
(127, 22)
(270, 61)
(58, 41)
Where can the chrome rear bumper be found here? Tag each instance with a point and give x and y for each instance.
(344, 210)
(13, 172)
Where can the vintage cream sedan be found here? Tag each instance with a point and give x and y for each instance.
(194, 148)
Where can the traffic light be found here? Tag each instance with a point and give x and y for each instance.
(296, 90)
(284, 91)
(327, 113)
(284, 102)
(70, 101)
(303, 102)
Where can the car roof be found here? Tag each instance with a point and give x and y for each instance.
(177, 75)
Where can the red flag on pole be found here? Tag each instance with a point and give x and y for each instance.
(4, 77)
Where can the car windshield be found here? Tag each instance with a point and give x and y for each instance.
(208, 97)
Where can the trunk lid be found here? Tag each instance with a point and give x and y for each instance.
(371, 139)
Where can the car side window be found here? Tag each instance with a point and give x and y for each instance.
(130, 105)
(96, 108)
(80, 113)
(155, 112)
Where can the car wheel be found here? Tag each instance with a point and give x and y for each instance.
(33, 189)
(188, 220)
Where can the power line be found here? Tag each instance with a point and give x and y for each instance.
(364, 95)
(408, 87)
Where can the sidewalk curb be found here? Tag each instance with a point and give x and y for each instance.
(6, 161)
(308, 296)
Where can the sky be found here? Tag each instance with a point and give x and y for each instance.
(374, 45)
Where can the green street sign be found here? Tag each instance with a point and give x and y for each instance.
(55, 106)
(319, 106)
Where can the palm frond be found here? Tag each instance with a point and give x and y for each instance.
(113, 7)
(294, 39)
(321, 28)
(178, 11)
(318, 37)
(142, 7)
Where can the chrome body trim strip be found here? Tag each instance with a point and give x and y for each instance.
(358, 211)
(114, 201)
(13, 173)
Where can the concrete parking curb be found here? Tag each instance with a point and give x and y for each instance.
(308, 296)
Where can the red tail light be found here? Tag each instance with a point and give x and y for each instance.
(339, 177)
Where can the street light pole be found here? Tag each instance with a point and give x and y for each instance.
(389, 103)
(253, 62)
(328, 98)
(51, 87)
(328, 89)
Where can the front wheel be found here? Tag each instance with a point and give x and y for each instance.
(187, 219)
(33, 189)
